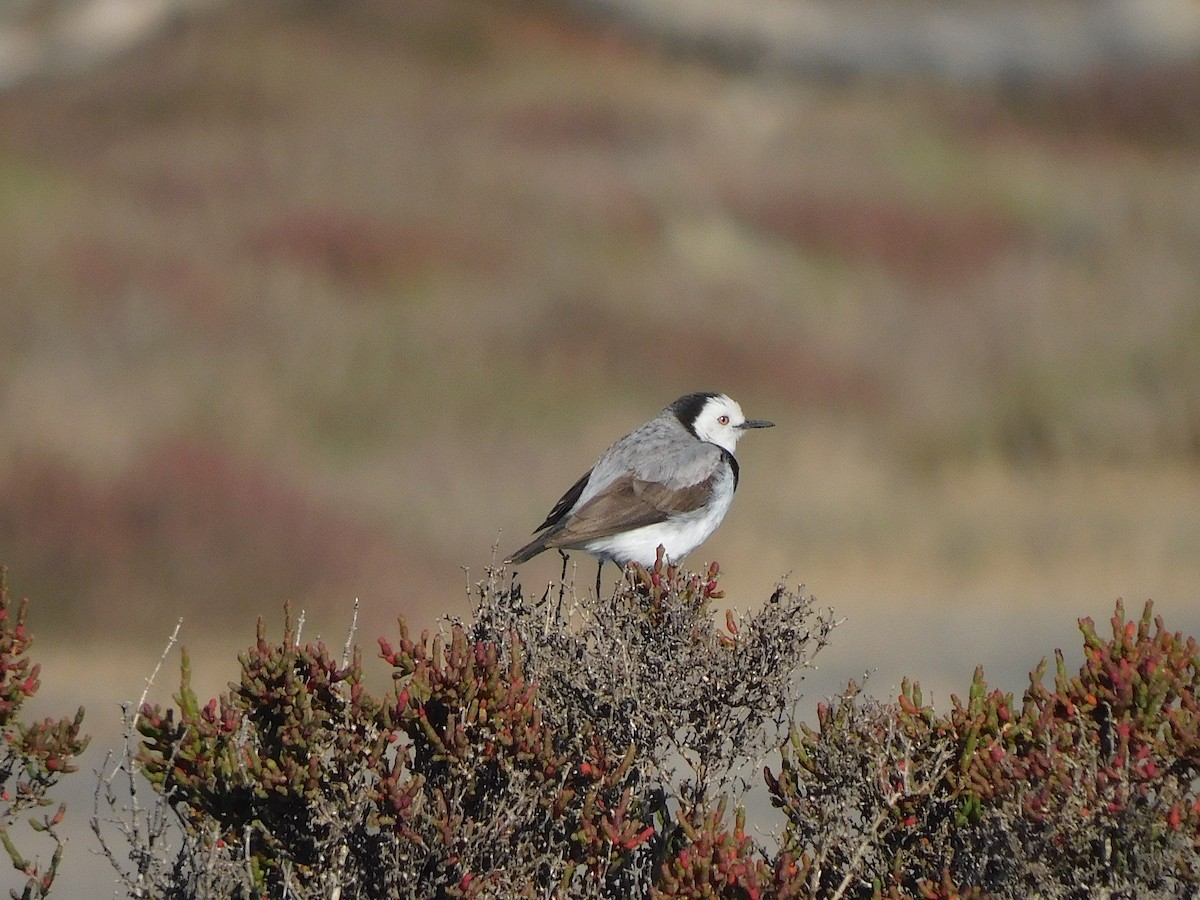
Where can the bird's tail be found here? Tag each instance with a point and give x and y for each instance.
(528, 552)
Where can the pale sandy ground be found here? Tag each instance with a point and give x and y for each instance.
(984, 565)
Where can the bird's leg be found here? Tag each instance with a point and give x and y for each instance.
(562, 585)
(599, 569)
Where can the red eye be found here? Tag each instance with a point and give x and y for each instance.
(724, 420)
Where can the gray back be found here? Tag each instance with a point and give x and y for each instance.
(660, 451)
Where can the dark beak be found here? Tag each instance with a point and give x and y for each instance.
(757, 423)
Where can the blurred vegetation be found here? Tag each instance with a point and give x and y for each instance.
(303, 296)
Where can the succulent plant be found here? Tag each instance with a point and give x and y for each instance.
(34, 756)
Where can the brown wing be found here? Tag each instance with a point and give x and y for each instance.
(626, 504)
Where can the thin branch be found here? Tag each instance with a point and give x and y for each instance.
(346, 650)
(299, 629)
(131, 723)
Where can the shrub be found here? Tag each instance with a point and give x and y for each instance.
(599, 747)
(34, 757)
(558, 747)
(1088, 788)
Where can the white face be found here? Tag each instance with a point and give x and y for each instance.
(721, 422)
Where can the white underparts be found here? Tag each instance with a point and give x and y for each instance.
(679, 535)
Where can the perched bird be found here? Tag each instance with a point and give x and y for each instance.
(669, 482)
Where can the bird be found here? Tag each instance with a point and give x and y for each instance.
(669, 483)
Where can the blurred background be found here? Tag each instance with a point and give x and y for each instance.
(331, 299)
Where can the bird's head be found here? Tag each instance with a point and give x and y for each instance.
(715, 418)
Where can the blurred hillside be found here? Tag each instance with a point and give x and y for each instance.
(976, 41)
(321, 300)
